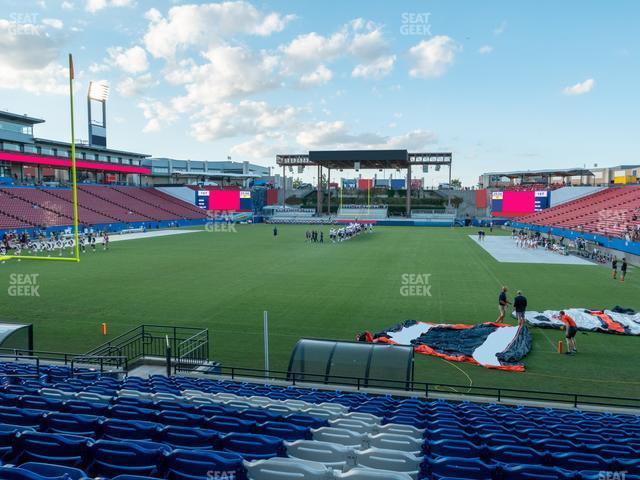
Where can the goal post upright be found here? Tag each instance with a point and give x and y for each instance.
(74, 178)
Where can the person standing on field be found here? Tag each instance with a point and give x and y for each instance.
(502, 304)
(520, 306)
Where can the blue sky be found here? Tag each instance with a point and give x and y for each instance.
(504, 85)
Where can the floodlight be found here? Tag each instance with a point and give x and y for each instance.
(99, 91)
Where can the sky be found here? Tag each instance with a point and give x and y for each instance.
(504, 85)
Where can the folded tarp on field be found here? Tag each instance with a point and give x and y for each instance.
(491, 345)
(622, 321)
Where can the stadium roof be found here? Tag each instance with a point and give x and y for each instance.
(563, 172)
(20, 118)
(85, 146)
(349, 159)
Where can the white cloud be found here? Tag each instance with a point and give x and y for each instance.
(370, 45)
(131, 60)
(580, 88)
(433, 57)
(319, 76)
(230, 72)
(311, 49)
(359, 39)
(53, 23)
(244, 118)
(157, 115)
(98, 67)
(206, 25)
(337, 135)
(94, 6)
(378, 68)
(29, 58)
(135, 86)
(485, 49)
(261, 147)
(66, 5)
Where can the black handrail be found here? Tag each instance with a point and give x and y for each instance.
(428, 388)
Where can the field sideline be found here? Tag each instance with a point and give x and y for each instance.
(224, 281)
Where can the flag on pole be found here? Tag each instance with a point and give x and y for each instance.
(71, 74)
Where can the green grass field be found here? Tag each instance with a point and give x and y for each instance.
(224, 281)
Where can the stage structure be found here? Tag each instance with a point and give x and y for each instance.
(360, 160)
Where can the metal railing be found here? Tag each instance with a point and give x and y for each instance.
(428, 389)
(153, 340)
(192, 352)
(101, 364)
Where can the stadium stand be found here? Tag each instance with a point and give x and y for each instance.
(362, 212)
(47, 207)
(293, 215)
(195, 427)
(613, 212)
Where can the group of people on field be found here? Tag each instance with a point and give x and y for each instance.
(520, 307)
(14, 243)
(350, 231)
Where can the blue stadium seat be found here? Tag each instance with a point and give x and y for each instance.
(53, 448)
(116, 429)
(285, 431)
(188, 437)
(110, 458)
(514, 454)
(127, 412)
(470, 469)
(534, 472)
(53, 471)
(454, 448)
(579, 461)
(85, 408)
(230, 424)
(260, 416)
(9, 399)
(41, 403)
(199, 464)
(306, 420)
(69, 423)
(21, 416)
(253, 446)
(178, 418)
(7, 438)
(213, 410)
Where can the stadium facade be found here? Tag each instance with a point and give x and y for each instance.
(26, 159)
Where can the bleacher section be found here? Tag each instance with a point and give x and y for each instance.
(434, 218)
(611, 212)
(293, 215)
(53, 207)
(362, 212)
(190, 427)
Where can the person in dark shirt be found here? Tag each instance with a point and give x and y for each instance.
(502, 304)
(520, 306)
(614, 267)
(275, 232)
(623, 269)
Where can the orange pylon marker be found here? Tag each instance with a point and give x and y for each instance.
(104, 329)
(560, 346)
